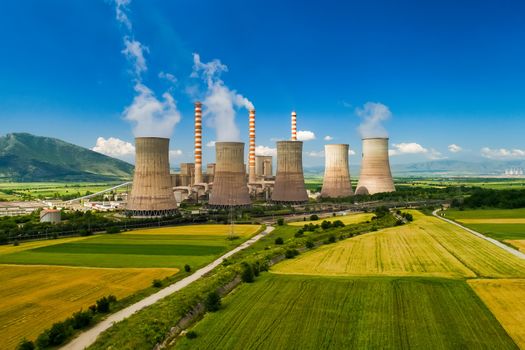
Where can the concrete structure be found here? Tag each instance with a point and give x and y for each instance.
(294, 126)
(152, 193)
(375, 168)
(210, 172)
(252, 178)
(198, 143)
(289, 181)
(19, 208)
(229, 185)
(263, 166)
(53, 216)
(336, 181)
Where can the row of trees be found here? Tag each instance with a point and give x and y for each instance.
(488, 198)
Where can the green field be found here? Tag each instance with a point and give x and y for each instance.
(20, 190)
(345, 219)
(164, 247)
(485, 214)
(291, 312)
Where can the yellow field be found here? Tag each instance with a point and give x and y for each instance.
(8, 249)
(346, 219)
(219, 230)
(506, 300)
(492, 221)
(427, 247)
(27, 308)
(518, 243)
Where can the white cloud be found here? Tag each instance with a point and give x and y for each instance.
(328, 138)
(453, 148)
(373, 115)
(168, 76)
(317, 154)
(134, 52)
(114, 147)
(351, 152)
(121, 9)
(407, 148)
(265, 151)
(175, 153)
(435, 155)
(305, 135)
(502, 153)
(210, 144)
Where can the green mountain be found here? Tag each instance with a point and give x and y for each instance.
(26, 157)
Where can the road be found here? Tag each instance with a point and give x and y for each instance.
(88, 337)
(491, 240)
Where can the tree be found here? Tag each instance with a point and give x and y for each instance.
(279, 241)
(280, 221)
(213, 302)
(157, 283)
(314, 217)
(325, 225)
(103, 305)
(25, 345)
(247, 274)
(81, 319)
(310, 244)
(187, 268)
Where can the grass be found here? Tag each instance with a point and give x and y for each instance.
(32, 298)
(160, 247)
(506, 300)
(299, 312)
(51, 189)
(346, 219)
(485, 214)
(426, 247)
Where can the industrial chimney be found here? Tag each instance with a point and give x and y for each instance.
(294, 126)
(252, 176)
(198, 142)
(289, 181)
(336, 182)
(229, 183)
(152, 193)
(375, 168)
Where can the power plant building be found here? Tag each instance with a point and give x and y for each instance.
(336, 181)
(375, 176)
(152, 193)
(289, 181)
(263, 166)
(230, 187)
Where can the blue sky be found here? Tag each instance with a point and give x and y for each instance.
(450, 72)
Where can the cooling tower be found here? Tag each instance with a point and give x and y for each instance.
(229, 183)
(251, 170)
(152, 193)
(198, 142)
(375, 168)
(336, 182)
(289, 181)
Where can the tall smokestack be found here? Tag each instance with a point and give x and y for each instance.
(229, 183)
(294, 126)
(336, 181)
(375, 168)
(198, 142)
(289, 180)
(252, 175)
(152, 193)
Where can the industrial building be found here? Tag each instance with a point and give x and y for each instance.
(53, 216)
(375, 176)
(336, 181)
(152, 190)
(289, 184)
(264, 167)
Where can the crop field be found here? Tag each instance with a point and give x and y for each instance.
(426, 247)
(506, 300)
(304, 312)
(32, 298)
(160, 247)
(14, 190)
(346, 219)
(518, 244)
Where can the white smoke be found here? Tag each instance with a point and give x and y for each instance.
(220, 101)
(373, 115)
(151, 116)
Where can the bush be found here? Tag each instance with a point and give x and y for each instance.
(409, 217)
(256, 269)
(247, 274)
(113, 229)
(59, 332)
(280, 221)
(299, 233)
(291, 253)
(112, 298)
(325, 225)
(314, 217)
(187, 268)
(16, 243)
(191, 335)
(157, 283)
(81, 319)
(25, 345)
(381, 212)
(103, 305)
(213, 302)
(332, 239)
(399, 223)
(338, 223)
(310, 244)
(93, 308)
(279, 241)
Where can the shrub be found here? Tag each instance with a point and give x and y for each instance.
(331, 239)
(314, 217)
(81, 319)
(157, 283)
(113, 229)
(187, 268)
(191, 335)
(280, 221)
(103, 305)
(291, 253)
(408, 217)
(299, 233)
(93, 308)
(325, 225)
(213, 302)
(247, 274)
(25, 345)
(16, 243)
(256, 269)
(59, 332)
(399, 223)
(279, 241)
(310, 244)
(112, 298)
(338, 223)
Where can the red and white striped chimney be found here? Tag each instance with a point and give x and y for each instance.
(252, 177)
(294, 126)
(198, 142)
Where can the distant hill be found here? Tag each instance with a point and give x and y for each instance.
(26, 157)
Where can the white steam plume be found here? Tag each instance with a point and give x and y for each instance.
(220, 101)
(151, 116)
(373, 115)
